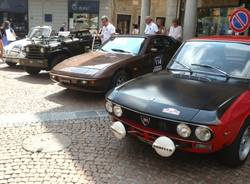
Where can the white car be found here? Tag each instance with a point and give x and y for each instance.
(14, 51)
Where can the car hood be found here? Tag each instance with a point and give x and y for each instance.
(89, 63)
(18, 43)
(165, 95)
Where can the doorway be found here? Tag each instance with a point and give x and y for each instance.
(123, 23)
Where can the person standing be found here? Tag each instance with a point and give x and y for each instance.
(135, 30)
(1, 46)
(161, 27)
(151, 27)
(107, 29)
(62, 28)
(8, 33)
(175, 30)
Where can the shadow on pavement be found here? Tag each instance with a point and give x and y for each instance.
(41, 78)
(7, 68)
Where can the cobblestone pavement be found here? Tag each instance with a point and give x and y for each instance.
(22, 93)
(94, 155)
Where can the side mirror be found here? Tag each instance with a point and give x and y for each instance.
(154, 50)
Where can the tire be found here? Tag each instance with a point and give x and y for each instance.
(57, 59)
(32, 70)
(11, 64)
(233, 155)
(119, 78)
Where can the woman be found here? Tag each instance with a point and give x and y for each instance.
(135, 30)
(161, 27)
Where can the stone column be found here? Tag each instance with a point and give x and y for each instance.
(171, 12)
(190, 19)
(145, 11)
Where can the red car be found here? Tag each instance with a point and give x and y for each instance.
(200, 104)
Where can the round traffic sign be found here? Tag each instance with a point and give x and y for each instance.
(240, 20)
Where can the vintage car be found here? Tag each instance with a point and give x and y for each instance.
(50, 51)
(15, 50)
(121, 58)
(200, 104)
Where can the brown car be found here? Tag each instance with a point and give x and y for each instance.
(121, 58)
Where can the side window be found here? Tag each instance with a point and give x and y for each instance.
(157, 43)
(167, 42)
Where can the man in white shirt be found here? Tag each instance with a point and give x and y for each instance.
(175, 30)
(107, 29)
(151, 27)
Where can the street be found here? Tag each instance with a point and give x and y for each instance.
(31, 106)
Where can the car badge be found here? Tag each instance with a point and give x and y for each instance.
(145, 120)
(171, 111)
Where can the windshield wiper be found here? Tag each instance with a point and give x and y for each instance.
(184, 66)
(120, 50)
(227, 75)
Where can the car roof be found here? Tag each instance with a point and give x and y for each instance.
(138, 36)
(231, 38)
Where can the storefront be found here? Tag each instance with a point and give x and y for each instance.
(16, 11)
(83, 14)
(213, 16)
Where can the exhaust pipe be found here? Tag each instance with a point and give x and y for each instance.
(118, 130)
(164, 146)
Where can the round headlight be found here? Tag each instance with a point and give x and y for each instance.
(117, 110)
(109, 106)
(183, 130)
(42, 50)
(27, 49)
(203, 133)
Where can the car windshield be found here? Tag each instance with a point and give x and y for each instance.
(39, 32)
(124, 45)
(224, 58)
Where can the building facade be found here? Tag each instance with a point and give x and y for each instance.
(198, 17)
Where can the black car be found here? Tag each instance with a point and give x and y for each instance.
(51, 51)
(200, 104)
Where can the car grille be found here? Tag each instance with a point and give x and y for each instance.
(34, 52)
(158, 124)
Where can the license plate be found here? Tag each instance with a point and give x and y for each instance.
(66, 81)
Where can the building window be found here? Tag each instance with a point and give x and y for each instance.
(83, 14)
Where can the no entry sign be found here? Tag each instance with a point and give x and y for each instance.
(240, 20)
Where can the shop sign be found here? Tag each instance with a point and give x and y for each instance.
(240, 20)
(81, 6)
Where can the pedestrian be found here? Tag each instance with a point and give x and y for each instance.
(107, 29)
(151, 27)
(8, 33)
(135, 30)
(161, 27)
(62, 28)
(175, 30)
(1, 47)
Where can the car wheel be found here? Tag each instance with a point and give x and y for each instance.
(57, 59)
(10, 64)
(119, 78)
(237, 153)
(32, 71)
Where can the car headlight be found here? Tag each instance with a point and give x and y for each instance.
(183, 130)
(203, 133)
(109, 106)
(117, 110)
(42, 50)
(27, 49)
